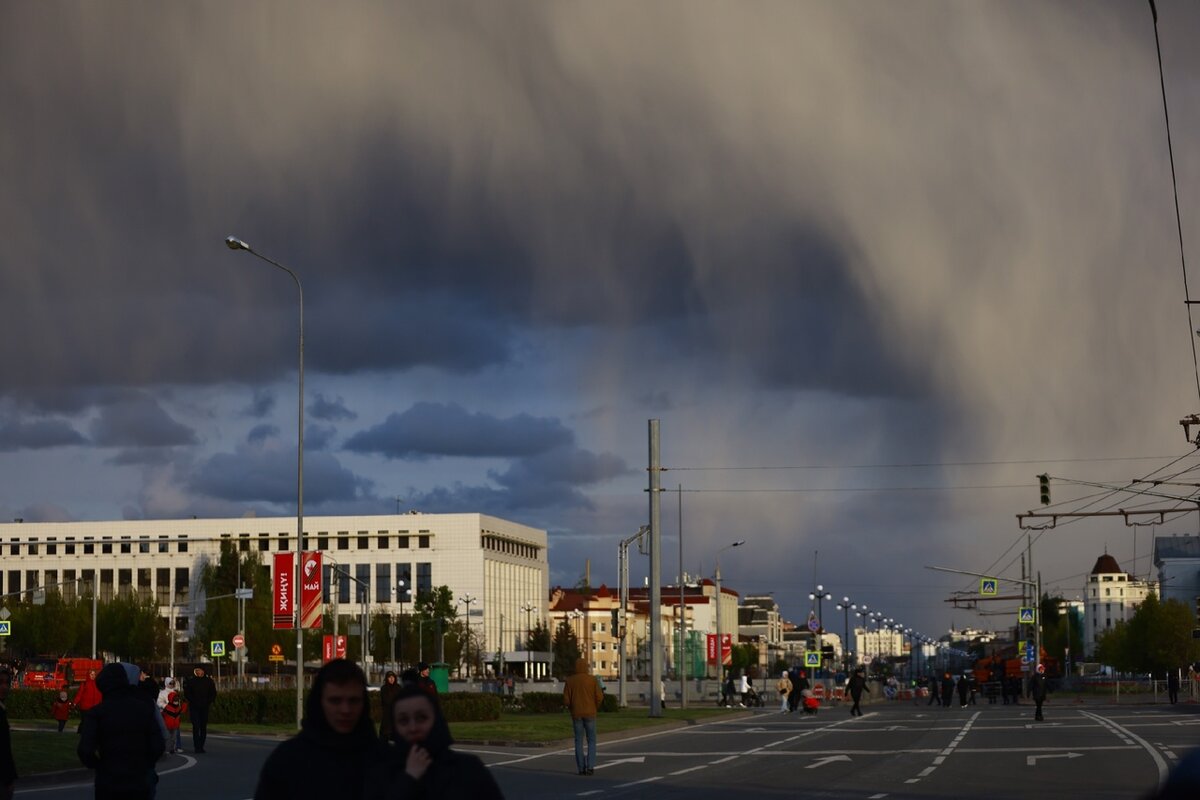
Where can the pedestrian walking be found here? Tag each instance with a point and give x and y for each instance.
(947, 690)
(423, 679)
(582, 697)
(743, 689)
(1037, 689)
(935, 692)
(60, 710)
(201, 693)
(964, 688)
(662, 693)
(387, 694)
(784, 687)
(337, 746)
(8, 767)
(856, 684)
(422, 763)
(121, 738)
(88, 696)
(164, 694)
(1173, 686)
(799, 686)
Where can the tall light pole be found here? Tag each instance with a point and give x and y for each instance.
(234, 243)
(528, 608)
(846, 607)
(717, 585)
(466, 601)
(401, 591)
(819, 595)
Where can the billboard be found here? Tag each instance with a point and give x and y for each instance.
(726, 648)
(283, 592)
(310, 591)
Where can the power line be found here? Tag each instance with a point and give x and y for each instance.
(916, 464)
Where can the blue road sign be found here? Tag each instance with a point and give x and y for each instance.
(1026, 616)
(5, 628)
(987, 585)
(812, 658)
(216, 649)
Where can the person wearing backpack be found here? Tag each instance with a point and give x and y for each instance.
(784, 687)
(172, 713)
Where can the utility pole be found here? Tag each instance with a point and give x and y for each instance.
(656, 665)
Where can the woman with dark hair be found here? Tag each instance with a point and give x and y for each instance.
(387, 693)
(422, 765)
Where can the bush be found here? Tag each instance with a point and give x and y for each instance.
(31, 703)
(541, 702)
(610, 703)
(470, 707)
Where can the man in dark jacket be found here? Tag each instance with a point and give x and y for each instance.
(201, 693)
(337, 744)
(8, 769)
(856, 684)
(387, 694)
(121, 738)
(1037, 688)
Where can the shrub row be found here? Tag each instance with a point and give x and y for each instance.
(470, 706)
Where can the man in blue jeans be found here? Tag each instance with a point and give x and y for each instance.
(582, 696)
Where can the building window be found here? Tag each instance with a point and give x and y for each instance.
(323, 542)
(88, 547)
(182, 544)
(33, 547)
(69, 547)
(383, 583)
(326, 581)
(143, 583)
(423, 542)
(343, 541)
(382, 543)
(14, 581)
(284, 542)
(143, 544)
(424, 577)
(404, 573)
(126, 544)
(164, 546)
(181, 585)
(364, 541)
(402, 542)
(362, 587)
(264, 542)
(106, 547)
(51, 547)
(243, 543)
(162, 586)
(14, 547)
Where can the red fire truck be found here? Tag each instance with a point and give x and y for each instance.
(51, 672)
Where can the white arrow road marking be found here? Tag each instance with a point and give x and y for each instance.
(636, 760)
(820, 762)
(1032, 760)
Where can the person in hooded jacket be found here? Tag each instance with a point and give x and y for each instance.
(421, 765)
(387, 693)
(121, 737)
(583, 698)
(856, 684)
(337, 744)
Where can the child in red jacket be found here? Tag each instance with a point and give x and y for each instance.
(172, 712)
(60, 709)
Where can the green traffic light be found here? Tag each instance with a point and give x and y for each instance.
(1044, 486)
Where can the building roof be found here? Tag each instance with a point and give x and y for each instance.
(1177, 546)
(1106, 565)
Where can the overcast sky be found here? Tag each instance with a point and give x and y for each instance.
(908, 255)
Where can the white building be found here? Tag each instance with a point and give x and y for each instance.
(502, 563)
(1178, 561)
(1110, 596)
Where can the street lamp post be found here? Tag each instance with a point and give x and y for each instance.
(819, 595)
(466, 601)
(528, 609)
(401, 591)
(717, 585)
(234, 243)
(846, 607)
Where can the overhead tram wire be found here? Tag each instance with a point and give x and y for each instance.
(917, 464)
(1187, 297)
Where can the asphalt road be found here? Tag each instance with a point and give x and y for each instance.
(894, 751)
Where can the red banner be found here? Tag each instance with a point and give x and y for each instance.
(283, 585)
(726, 648)
(326, 648)
(310, 591)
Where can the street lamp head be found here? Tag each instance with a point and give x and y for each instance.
(234, 243)
(738, 543)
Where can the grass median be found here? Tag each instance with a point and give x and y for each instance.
(39, 748)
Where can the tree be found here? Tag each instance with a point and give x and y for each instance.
(566, 651)
(219, 621)
(538, 639)
(1157, 638)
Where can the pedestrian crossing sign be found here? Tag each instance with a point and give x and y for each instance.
(812, 658)
(987, 585)
(1026, 615)
(5, 628)
(216, 649)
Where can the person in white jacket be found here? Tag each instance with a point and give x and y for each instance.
(744, 688)
(164, 694)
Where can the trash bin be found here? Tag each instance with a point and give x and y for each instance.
(440, 673)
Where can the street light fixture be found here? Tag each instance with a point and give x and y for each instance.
(401, 592)
(466, 601)
(717, 583)
(233, 243)
(819, 595)
(528, 608)
(846, 606)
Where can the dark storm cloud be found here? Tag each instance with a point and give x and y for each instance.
(262, 403)
(37, 434)
(136, 419)
(330, 410)
(261, 433)
(318, 437)
(437, 429)
(141, 456)
(267, 475)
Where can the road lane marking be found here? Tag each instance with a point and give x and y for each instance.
(966, 728)
(820, 762)
(1123, 732)
(636, 783)
(1031, 761)
(727, 758)
(689, 769)
(632, 760)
